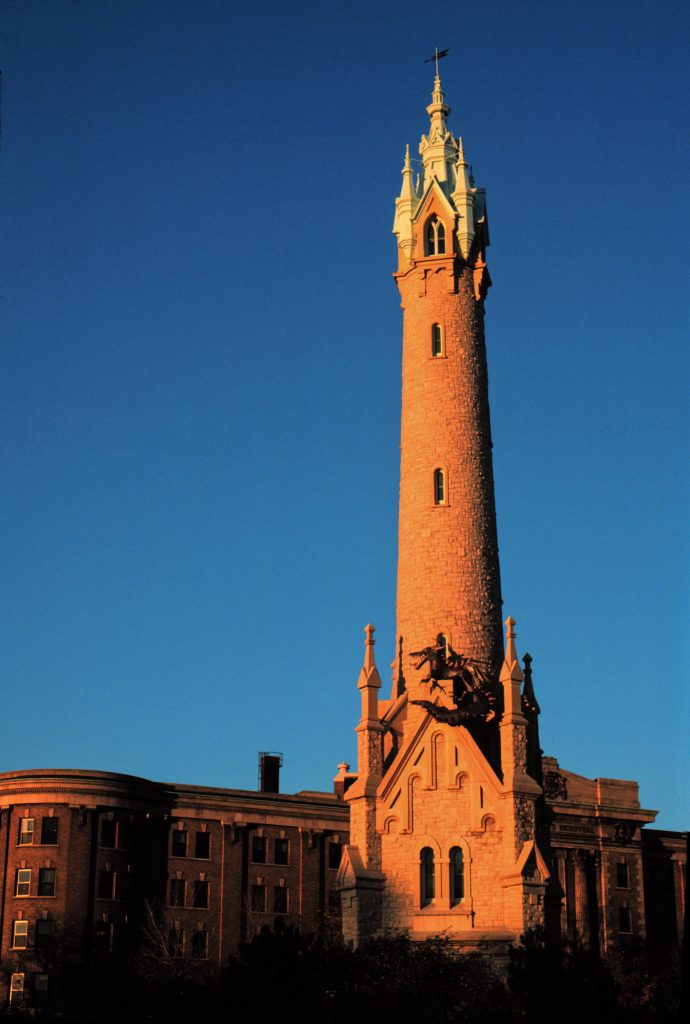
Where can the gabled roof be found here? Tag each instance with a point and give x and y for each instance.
(433, 188)
(474, 755)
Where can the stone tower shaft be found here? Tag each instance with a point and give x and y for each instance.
(448, 568)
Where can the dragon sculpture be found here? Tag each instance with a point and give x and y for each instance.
(472, 690)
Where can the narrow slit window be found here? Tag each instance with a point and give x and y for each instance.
(439, 487)
(436, 341)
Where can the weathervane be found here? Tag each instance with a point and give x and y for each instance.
(438, 55)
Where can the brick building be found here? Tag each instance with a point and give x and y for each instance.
(453, 821)
(93, 861)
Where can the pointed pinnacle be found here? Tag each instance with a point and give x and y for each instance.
(511, 666)
(369, 675)
(369, 660)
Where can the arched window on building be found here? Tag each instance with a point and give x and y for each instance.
(439, 487)
(434, 237)
(427, 880)
(436, 340)
(457, 876)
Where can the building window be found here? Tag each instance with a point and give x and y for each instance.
(259, 899)
(457, 876)
(280, 899)
(436, 340)
(23, 882)
(177, 892)
(176, 942)
(109, 833)
(201, 895)
(26, 831)
(622, 876)
(16, 988)
(624, 920)
(281, 851)
(200, 945)
(202, 846)
(103, 937)
(106, 885)
(259, 849)
(335, 853)
(46, 882)
(124, 885)
(439, 487)
(178, 843)
(20, 934)
(132, 835)
(40, 988)
(427, 877)
(49, 831)
(43, 936)
(434, 237)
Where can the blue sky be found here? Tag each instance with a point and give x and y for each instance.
(201, 372)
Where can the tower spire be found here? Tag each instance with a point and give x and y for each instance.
(438, 149)
(448, 570)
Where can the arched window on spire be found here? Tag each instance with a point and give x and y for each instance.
(427, 877)
(457, 876)
(434, 237)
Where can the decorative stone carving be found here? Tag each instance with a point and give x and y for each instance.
(624, 831)
(555, 786)
(235, 831)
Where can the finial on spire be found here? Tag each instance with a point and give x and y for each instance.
(511, 666)
(438, 111)
(437, 96)
(369, 660)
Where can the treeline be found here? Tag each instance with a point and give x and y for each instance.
(392, 980)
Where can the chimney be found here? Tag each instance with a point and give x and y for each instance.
(269, 772)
